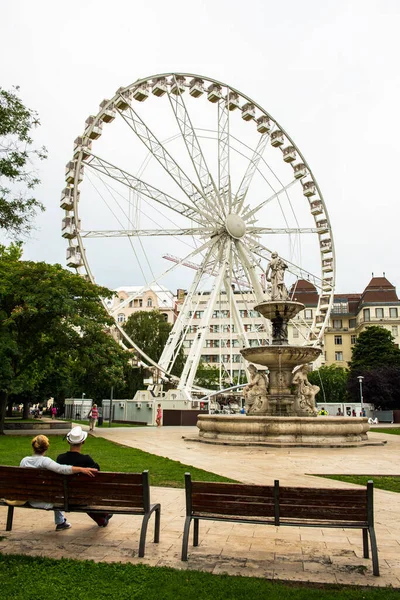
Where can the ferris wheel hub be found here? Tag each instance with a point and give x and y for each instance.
(235, 226)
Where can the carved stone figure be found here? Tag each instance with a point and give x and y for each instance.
(255, 393)
(305, 391)
(275, 274)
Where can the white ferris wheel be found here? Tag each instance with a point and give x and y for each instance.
(186, 167)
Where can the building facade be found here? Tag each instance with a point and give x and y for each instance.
(130, 299)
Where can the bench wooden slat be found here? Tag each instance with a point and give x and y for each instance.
(324, 512)
(235, 508)
(236, 489)
(355, 495)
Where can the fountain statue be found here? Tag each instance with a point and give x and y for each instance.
(280, 405)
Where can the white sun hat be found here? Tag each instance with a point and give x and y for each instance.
(76, 435)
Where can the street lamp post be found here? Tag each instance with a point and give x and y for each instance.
(360, 380)
(83, 397)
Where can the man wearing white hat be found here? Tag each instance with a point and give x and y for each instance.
(76, 438)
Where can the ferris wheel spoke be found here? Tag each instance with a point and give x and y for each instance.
(209, 244)
(190, 368)
(164, 158)
(208, 187)
(224, 178)
(250, 171)
(106, 168)
(283, 189)
(255, 247)
(281, 230)
(183, 321)
(145, 232)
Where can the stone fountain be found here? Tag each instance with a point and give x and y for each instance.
(280, 402)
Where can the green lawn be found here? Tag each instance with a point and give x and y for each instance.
(29, 578)
(391, 430)
(111, 457)
(391, 484)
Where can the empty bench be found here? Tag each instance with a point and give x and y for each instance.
(118, 493)
(280, 505)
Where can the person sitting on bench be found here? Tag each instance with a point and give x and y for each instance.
(76, 438)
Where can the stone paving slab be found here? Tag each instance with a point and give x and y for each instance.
(319, 555)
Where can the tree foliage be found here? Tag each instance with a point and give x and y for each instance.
(17, 175)
(53, 337)
(376, 358)
(332, 381)
(150, 331)
(374, 348)
(207, 376)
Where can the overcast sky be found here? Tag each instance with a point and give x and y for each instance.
(326, 70)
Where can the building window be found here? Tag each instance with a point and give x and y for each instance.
(338, 340)
(192, 329)
(121, 318)
(199, 314)
(353, 339)
(393, 313)
(140, 303)
(214, 328)
(395, 331)
(243, 314)
(165, 316)
(121, 300)
(295, 333)
(149, 302)
(379, 313)
(337, 323)
(352, 323)
(339, 356)
(366, 313)
(308, 313)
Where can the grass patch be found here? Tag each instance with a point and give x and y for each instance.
(26, 577)
(391, 430)
(111, 457)
(382, 482)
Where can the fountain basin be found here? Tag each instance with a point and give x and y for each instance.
(318, 431)
(285, 308)
(277, 357)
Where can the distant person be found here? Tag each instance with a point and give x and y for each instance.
(53, 412)
(339, 413)
(353, 413)
(76, 438)
(40, 445)
(93, 416)
(159, 415)
(363, 413)
(242, 411)
(323, 412)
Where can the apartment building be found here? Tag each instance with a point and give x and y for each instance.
(130, 299)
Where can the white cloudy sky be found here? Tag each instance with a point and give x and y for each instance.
(327, 71)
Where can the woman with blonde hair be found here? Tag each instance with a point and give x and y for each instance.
(38, 460)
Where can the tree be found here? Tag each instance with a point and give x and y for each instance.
(17, 207)
(207, 376)
(52, 331)
(376, 358)
(150, 331)
(374, 348)
(332, 381)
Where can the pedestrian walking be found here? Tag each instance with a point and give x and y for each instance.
(93, 416)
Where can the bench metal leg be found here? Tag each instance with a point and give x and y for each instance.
(195, 532)
(143, 533)
(157, 524)
(185, 539)
(365, 543)
(374, 551)
(10, 515)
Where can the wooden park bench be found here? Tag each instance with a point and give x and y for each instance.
(118, 493)
(280, 505)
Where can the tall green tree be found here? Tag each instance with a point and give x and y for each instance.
(374, 348)
(376, 358)
(53, 330)
(18, 177)
(150, 331)
(332, 381)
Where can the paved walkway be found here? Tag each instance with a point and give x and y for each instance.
(286, 553)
